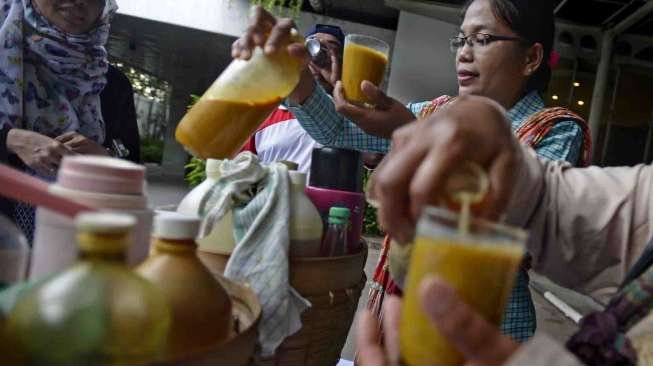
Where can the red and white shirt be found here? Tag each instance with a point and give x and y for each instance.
(281, 137)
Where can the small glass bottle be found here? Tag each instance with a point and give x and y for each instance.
(334, 243)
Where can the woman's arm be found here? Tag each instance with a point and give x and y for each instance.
(319, 118)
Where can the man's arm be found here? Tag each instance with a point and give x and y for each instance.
(587, 226)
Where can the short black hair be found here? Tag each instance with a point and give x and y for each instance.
(534, 21)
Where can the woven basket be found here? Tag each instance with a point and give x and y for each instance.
(333, 286)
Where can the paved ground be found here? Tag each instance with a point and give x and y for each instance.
(550, 320)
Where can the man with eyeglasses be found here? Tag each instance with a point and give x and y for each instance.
(280, 136)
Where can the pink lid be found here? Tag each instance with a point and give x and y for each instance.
(102, 175)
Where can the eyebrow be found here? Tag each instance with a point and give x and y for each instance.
(476, 29)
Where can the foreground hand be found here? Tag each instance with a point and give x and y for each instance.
(425, 153)
(481, 343)
(39, 152)
(387, 115)
(81, 144)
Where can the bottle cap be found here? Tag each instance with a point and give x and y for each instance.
(104, 222)
(103, 232)
(175, 226)
(339, 215)
(291, 165)
(297, 178)
(213, 166)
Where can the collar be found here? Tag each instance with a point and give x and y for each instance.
(528, 105)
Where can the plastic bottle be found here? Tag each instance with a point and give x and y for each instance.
(221, 239)
(237, 102)
(337, 181)
(335, 238)
(306, 226)
(96, 312)
(200, 307)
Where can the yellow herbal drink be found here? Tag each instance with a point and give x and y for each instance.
(480, 265)
(365, 58)
(240, 99)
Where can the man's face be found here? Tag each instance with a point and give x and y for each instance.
(328, 74)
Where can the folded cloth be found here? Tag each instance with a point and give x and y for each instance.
(259, 196)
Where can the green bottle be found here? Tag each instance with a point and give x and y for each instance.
(97, 312)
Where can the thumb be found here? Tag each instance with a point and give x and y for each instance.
(479, 341)
(299, 52)
(375, 95)
(66, 136)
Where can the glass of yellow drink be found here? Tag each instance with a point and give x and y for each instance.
(365, 58)
(480, 263)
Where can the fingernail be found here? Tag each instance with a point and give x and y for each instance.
(437, 296)
(269, 49)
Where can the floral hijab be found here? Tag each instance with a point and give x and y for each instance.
(50, 81)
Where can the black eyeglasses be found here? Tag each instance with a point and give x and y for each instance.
(478, 39)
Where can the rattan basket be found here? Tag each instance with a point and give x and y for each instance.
(333, 286)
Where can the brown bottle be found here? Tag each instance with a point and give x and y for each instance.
(201, 308)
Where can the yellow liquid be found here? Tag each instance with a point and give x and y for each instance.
(217, 129)
(361, 63)
(483, 276)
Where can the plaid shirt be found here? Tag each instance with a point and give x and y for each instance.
(319, 118)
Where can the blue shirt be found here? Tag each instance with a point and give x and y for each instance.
(319, 118)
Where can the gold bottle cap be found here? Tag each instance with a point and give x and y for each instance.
(105, 223)
(101, 232)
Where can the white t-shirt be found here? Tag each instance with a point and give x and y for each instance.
(281, 137)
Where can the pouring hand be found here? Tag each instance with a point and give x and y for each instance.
(269, 33)
(382, 120)
(423, 155)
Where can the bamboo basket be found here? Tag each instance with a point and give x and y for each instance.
(333, 286)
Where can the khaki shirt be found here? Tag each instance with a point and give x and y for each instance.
(587, 226)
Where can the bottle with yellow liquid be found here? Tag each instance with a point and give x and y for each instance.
(201, 308)
(238, 102)
(97, 312)
(478, 259)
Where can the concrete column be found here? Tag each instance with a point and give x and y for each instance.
(600, 88)
(174, 155)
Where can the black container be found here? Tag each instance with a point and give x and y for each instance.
(338, 169)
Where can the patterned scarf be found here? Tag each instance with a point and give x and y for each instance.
(50, 81)
(536, 128)
(601, 339)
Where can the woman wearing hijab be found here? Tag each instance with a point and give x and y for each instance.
(53, 72)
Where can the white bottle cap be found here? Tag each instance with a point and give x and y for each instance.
(297, 178)
(213, 165)
(104, 222)
(175, 226)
